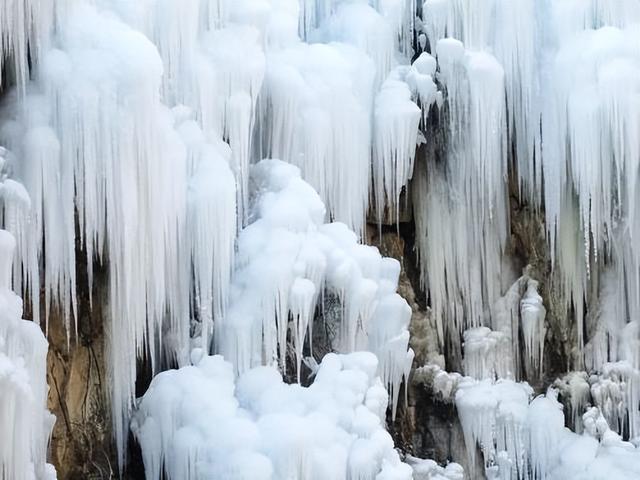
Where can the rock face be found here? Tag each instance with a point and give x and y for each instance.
(81, 445)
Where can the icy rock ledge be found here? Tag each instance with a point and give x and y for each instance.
(199, 422)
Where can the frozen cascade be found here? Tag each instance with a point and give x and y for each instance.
(135, 133)
(461, 207)
(588, 52)
(288, 259)
(149, 94)
(24, 420)
(316, 114)
(129, 166)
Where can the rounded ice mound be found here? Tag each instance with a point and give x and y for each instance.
(192, 423)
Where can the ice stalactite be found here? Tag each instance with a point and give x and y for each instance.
(319, 98)
(18, 220)
(506, 319)
(493, 415)
(216, 68)
(24, 420)
(518, 317)
(421, 80)
(532, 315)
(287, 259)
(27, 134)
(588, 52)
(259, 427)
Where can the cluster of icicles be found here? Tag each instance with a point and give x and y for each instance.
(130, 130)
(133, 126)
(545, 95)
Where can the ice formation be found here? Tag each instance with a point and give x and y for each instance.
(135, 133)
(461, 209)
(24, 419)
(526, 438)
(588, 121)
(288, 261)
(430, 470)
(199, 422)
(132, 129)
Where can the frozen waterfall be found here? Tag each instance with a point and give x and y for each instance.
(223, 165)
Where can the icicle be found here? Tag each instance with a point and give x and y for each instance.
(533, 329)
(302, 298)
(494, 417)
(510, 31)
(420, 80)
(505, 318)
(592, 158)
(217, 73)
